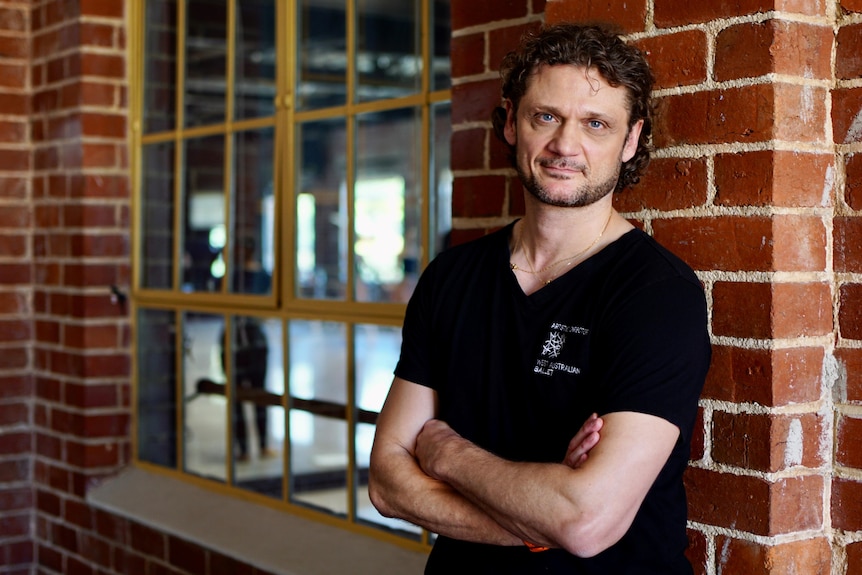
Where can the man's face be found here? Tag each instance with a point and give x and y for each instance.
(571, 135)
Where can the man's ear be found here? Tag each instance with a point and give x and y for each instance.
(510, 128)
(631, 145)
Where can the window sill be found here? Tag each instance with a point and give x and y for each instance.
(269, 539)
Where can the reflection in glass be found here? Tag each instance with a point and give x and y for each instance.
(156, 391)
(258, 415)
(321, 208)
(206, 62)
(253, 213)
(322, 74)
(441, 37)
(377, 350)
(157, 215)
(254, 86)
(388, 205)
(204, 413)
(389, 54)
(160, 66)
(204, 222)
(318, 427)
(441, 178)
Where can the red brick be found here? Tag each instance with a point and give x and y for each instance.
(98, 94)
(480, 196)
(742, 309)
(669, 184)
(103, 65)
(847, 115)
(677, 59)
(850, 364)
(103, 125)
(723, 243)
(14, 414)
(851, 5)
(89, 455)
(13, 187)
(14, 47)
(854, 550)
(799, 243)
(96, 155)
(13, 19)
(99, 34)
(15, 524)
(801, 309)
(769, 443)
(847, 238)
(476, 12)
(630, 16)
(15, 499)
(848, 449)
(468, 55)
(850, 311)
(697, 551)
(468, 149)
(147, 540)
(502, 40)
(474, 101)
(13, 132)
(800, 113)
(848, 59)
(853, 181)
(15, 442)
(725, 500)
(14, 470)
(102, 8)
(739, 557)
(698, 438)
(846, 504)
(742, 114)
(95, 549)
(670, 13)
(187, 556)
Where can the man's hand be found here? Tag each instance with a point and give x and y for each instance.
(584, 440)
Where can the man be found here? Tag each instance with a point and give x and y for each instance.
(512, 341)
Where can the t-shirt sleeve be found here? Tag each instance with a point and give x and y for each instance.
(656, 352)
(414, 363)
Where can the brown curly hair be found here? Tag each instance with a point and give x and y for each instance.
(596, 46)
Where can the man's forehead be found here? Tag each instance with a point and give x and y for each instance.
(597, 82)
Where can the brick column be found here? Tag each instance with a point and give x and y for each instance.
(756, 183)
(16, 328)
(80, 248)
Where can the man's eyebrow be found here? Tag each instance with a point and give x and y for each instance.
(586, 112)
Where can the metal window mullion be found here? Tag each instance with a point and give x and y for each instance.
(179, 387)
(228, 171)
(350, 415)
(179, 169)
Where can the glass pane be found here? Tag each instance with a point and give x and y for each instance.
(377, 351)
(156, 397)
(441, 37)
(388, 205)
(388, 52)
(321, 210)
(322, 74)
(205, 417)
(206, 62)
(254, 87)
(258, 415)
(441, 178)
(157, 215)
(160, 66)
(204, 217)
(254, 212)
(318, 427)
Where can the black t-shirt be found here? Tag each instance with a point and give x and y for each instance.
(625, 330)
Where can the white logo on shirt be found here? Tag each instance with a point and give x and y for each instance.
(552, 348)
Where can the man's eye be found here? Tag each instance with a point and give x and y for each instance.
(546, 117)
(596, 124)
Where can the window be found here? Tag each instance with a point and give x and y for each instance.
(291, 181)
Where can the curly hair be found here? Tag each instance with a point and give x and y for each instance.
(590, 46)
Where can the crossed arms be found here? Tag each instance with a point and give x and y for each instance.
(424, 472)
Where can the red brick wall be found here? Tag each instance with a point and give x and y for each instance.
(757, 183)
(16, 278)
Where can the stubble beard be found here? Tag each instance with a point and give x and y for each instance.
(585, 195)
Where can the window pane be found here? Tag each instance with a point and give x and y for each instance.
(258, 415)
(318, 427)
(206, 62)
(157, 215)
(253, 216)
(441, 178)
(441, 37)
(204, 415)
(204, 229)
(160, 66)
(157, 401)
(388, 205)
(321, 208)
(255, 59)
(377, 350)
(322, 74)
(388, 53)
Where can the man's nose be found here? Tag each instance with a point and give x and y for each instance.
(566, 140)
